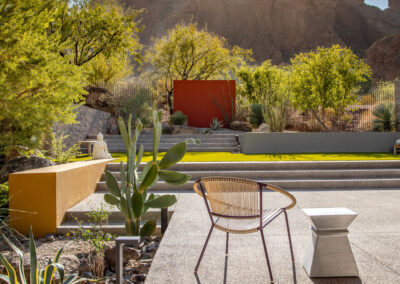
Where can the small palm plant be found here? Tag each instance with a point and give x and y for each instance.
(132, 197)
(45, 275)
(385, 117)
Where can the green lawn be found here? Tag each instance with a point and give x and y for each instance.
(230, 157)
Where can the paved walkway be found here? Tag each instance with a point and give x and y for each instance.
(374, 237)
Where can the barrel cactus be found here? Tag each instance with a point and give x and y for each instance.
(131, 197)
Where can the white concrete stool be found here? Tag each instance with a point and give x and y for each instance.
(329, 253)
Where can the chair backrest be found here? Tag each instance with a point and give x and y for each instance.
(232, 196)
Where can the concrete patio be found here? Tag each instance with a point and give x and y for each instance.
(374, 237)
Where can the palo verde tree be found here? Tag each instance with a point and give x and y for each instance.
(38, 86)
(327, 80)
(187, 53)
(267, 85)
(45, 48)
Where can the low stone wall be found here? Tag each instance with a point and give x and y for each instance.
(40, 197)
(90, 122)
(317, 142)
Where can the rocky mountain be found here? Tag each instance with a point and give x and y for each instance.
(276, 29)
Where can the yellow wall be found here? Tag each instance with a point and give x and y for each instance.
(40, 197)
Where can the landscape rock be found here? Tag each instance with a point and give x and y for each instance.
(23, 163)
(263, 128)
(240, 126)
(110, 256)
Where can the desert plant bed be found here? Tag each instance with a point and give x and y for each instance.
(238, 157)
(137, 260)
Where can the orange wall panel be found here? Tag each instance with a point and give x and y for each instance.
(202, 100)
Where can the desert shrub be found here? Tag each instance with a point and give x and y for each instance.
(385, 117)
(134, 100)
(178, 118)
(60, 151)
(256, 115)
(366, 100)
(3, 200)
(96, 237)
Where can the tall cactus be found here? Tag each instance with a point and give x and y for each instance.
(131, 197)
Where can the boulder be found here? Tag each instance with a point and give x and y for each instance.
(263, 128)
(110, 256)
(240, 126)
(23, 163)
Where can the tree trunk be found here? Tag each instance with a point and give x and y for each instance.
(171, 110)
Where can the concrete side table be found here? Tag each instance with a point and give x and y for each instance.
(329, 253)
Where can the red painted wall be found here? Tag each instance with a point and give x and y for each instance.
(198, 100)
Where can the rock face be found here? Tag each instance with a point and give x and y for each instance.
(384, 58)
(276, 30)
(23, 163)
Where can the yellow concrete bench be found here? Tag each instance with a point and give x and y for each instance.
(40, 197)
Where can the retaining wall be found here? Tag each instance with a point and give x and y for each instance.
(40, 197)
(317, 142)
(89, 122)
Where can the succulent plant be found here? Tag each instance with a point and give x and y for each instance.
(132, 197)
(45, 275)
(215, 124)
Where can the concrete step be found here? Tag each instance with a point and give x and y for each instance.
(284, 165)
(189, 149)
(166, 136)
(293, 184)
(177, 140)
(114, 214)
(115, 227)
(169, 145)
(294, 174)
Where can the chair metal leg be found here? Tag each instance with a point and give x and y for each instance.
(227, 243)
(288, 232)
(266, 256)
(291, 247)
(204, 248)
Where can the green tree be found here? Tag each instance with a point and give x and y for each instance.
(267, 85)
(107, 70)
(89, 28)
(38, 86)
(187, 53)
(327, 80)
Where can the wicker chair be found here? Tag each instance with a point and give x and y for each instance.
(236, 206)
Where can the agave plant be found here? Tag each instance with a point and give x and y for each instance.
(385, 117)
(37, 276)
(131, 198)
(216, 124)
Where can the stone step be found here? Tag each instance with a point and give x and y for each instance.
(284, 165)
(293, 184)
(294, 174)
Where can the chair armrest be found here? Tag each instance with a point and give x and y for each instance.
(284, 192)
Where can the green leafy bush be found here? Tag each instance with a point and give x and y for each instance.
(96, 237)
(256, 116)
(3, 195)
(45, 275)
(60, 151)
(385, 117)
(178, 118)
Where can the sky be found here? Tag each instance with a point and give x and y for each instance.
(382, 4)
